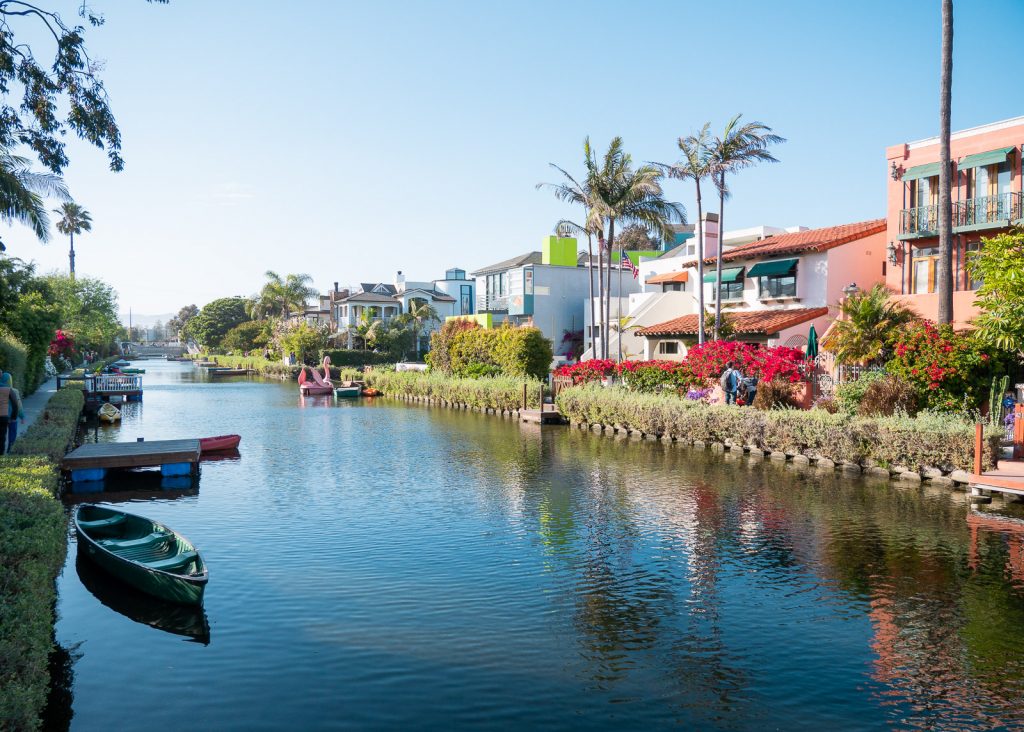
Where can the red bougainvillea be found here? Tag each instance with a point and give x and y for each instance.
(62, 345)
(703, 364)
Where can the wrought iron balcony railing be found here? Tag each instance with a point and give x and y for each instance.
(987, 211)
(919, 221)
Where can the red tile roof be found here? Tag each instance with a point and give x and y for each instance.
(747, 322)
(815, 240)
(668, 277)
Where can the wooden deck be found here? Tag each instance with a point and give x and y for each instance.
(132, 454)
(548, 415)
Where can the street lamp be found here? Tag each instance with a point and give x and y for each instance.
(891, 253)
(851, 289)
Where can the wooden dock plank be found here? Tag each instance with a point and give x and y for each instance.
(132, 454)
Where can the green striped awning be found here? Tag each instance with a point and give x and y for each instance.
(728, 275)
(922, 171)
(777, 267)
(992, 157)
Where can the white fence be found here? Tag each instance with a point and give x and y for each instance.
(114, 383)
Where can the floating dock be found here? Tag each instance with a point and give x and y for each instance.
(548, 415)
(92, 461)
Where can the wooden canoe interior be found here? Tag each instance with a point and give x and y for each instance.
(140, 540)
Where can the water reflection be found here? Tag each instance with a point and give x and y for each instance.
(187, 621)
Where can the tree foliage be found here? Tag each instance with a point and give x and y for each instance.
(871, 323)
(999, 264)
(177, 324)
(635, 238)
(88, 310)
(281, 296)
(58, 96)
(248, 336)
(213, 322)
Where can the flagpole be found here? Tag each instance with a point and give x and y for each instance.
(618, 306)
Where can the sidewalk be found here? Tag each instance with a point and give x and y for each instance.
(34, 404)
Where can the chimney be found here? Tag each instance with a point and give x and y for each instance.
(400, 281)
(335, 286)
(710, 226)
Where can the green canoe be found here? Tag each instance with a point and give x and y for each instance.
(143, 553)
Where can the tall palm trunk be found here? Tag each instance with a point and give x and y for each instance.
(718, 258)
(71, 256)
(590, 286)
(608, 291)
(700, 269)
(945, 273)
(600, 290)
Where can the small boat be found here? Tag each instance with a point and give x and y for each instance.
(133, 371)
(220, 442)
(145, 554)
(205, 364)
(228, 372)
(347, 392)
(371, 391)
(109, 413)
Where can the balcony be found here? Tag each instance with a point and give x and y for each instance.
(919, 222)
(491, 303)
(987, 212)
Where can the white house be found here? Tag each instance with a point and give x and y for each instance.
(775, 288)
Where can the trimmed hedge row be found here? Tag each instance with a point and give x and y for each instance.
(497, 392)
(347, 357)
(14, 359)
(914, 442)
(32, 549)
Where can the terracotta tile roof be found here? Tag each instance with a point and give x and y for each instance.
(815, 240)
(747, 322)
(668, 277)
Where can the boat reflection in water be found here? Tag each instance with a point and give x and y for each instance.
(187, 621)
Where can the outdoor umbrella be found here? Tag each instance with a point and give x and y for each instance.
(812, 343)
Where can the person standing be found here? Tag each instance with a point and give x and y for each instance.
(730, 382)
(749, 390)
(16, 411)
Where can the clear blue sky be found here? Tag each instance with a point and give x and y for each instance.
(349, 140)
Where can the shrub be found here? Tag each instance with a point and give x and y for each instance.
(32, 546)
(13, 358)
(850, 394)
(708, 361)
(245, 337)
(775, 394)
(517, 352)
(593, 369)
(926, 440)
(53, 433)
(656, 376)
(441, 342)
(304, 340)
(352, 357)
(887, 396)
(827, 404)
(949, 370)
(499, 392)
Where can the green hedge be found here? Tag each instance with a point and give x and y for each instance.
(499, 392)
(14, 359)
(474, 351)
(32, 547)
(345, 357)
(914, 442)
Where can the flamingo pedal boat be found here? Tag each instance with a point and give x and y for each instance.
(142, 552)
(319, 384)
(220, 442)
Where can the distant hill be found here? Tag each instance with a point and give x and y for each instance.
(141, 320)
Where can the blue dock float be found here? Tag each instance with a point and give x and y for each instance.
(91, 462)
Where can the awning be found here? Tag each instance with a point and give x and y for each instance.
(922, 171)
(992, 157)
(728, 275)
(776, 267)
(668, 277)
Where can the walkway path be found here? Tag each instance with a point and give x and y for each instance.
(35, 404)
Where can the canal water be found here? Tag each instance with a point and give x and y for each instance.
(380, 566)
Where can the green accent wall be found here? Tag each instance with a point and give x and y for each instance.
(559, 251)
(634, 257)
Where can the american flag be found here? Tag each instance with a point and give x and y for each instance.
(628, 264)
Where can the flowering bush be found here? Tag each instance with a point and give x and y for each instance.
(652, 376)
(950, 370)
(62, 345)
(583, 372)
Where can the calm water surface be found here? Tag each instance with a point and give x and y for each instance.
(375, 565)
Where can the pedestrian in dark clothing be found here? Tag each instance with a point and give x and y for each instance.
(730, 382)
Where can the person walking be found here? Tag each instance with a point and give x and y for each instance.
(15, 410)
(749, 390)
(730, 382)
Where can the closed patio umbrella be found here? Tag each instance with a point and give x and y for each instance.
(812, 343)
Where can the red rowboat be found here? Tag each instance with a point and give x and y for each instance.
(220, 442)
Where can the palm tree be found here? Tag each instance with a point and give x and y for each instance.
(22, 193)
(620, 194)
(945, 273)
(575, 192)
(280, 296)
(740, 146)
(869, 324)
(696, 164)
(418, 315)
(74, 220)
